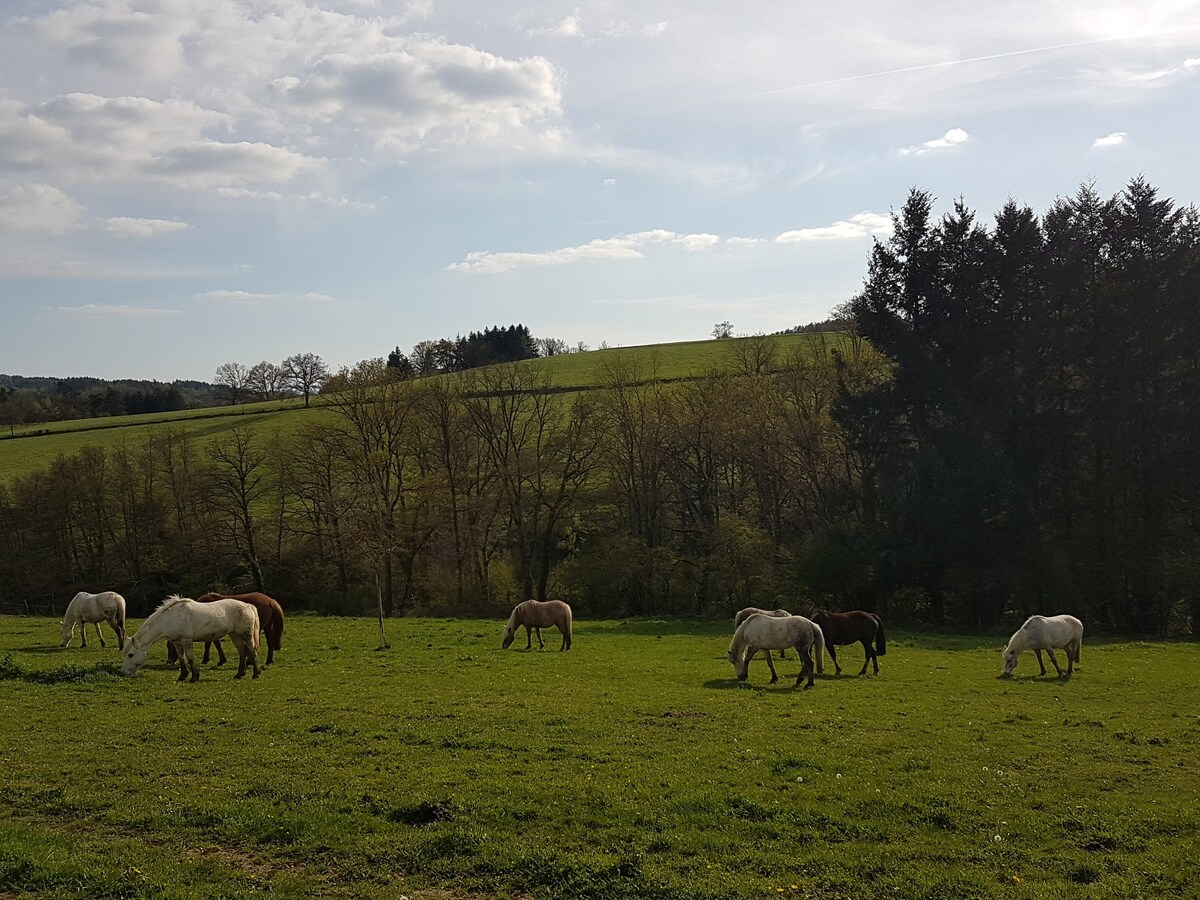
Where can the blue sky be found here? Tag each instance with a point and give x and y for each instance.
(185, 183)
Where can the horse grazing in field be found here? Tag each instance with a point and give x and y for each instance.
(85, 609)
(743, 614)
(1045, 633)
(270, 616)
(853, 627)
(536, 615)
(180, 621)
(768, 633)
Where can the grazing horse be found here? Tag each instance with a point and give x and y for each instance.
(1045, 633)
(85, 609)
(853, 627)
(181, 621)
(536, 615)
(744, 614)
(270, 615)
(768, 633)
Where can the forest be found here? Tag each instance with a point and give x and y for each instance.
(1007, 424)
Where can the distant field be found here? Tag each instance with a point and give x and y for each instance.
(42, 443)
(634, 766)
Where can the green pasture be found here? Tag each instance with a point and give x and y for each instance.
(35, 447)
(634, 766)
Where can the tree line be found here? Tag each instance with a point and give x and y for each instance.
(27, 401)
(1007, 426)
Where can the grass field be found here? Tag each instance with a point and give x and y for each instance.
(36, 446)
(633, 766)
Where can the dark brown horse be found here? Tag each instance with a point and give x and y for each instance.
(270, 615)
(853, 627)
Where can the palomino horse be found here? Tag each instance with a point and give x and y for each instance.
(852, 627)
(270, 615)
(1045, 633)
(85, 609)
(536, 615)
(768, 633)
(181, 621)
(744, 614)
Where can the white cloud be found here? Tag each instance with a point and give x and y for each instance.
(1110, 140)
(952, 138)
(865, 224)
(114, 310)
(37, 207)
(620, 248)
(248, 297)
(1191, 62)
(122, 226)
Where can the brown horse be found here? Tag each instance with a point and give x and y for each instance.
(536, 615)
(270, 615)
(853, 627)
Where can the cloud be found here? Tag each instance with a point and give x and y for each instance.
(952, 138)
(115, 310)
(1191, 62)
(865, 224)
(37, 207)
(616, 249)
(249, 298)
(122, 226)
(1110, 140)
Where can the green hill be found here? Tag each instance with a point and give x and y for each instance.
(33, 447)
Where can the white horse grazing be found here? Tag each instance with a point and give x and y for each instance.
(744, 614)
(180, 621)
(1045, 633)
(767, 633)
(85, 609)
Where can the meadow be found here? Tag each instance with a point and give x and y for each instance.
(633, 766)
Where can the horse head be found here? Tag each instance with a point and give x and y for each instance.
(1010, 662)
(510, 633)
(67, 630)
(132, 658)
(737, 660)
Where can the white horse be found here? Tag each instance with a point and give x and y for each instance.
(743, 614)
(85, 609)
(767, 633)
(1045, 633)
(180, 621)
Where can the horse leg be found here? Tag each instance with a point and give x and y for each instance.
(1054, 660)
(243, 652)
(172, 653)
(833, 656)
(528, 638)
(866, 658)
(566, 644)
(541, 643)
(220, 653)
(177, 648)
(189, 654)
(807, 667)
(1041, 665)
(82, 633)
(271, 641)
(100, 634)
(771, 666)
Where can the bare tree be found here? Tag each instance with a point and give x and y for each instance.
(305, 372)
(550, 346)
(266, 380)
(723, 330)
(233, 380)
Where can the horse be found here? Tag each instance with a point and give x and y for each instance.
(1045, 633)
(270, 615)
(852, 627)
(85, 609)
(767, 633)
(743, 614)
(536, 615)
(181, 620)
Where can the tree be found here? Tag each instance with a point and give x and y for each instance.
(305, 372)
(232, 379)
(266, 380)
(400, 364)
(723, 330)
(552, 346)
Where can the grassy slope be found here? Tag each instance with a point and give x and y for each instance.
(634, 766)
(43, 443)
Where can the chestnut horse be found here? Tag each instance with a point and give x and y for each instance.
(853, 627)
(270, 615)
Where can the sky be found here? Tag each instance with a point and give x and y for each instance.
(185, 183)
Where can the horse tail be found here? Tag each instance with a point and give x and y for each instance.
(880, 639)
(276, 635)
(819, 643)
(568, 625)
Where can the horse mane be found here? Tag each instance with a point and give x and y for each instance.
(173, 600)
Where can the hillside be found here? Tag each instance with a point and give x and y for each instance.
(33, 447)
